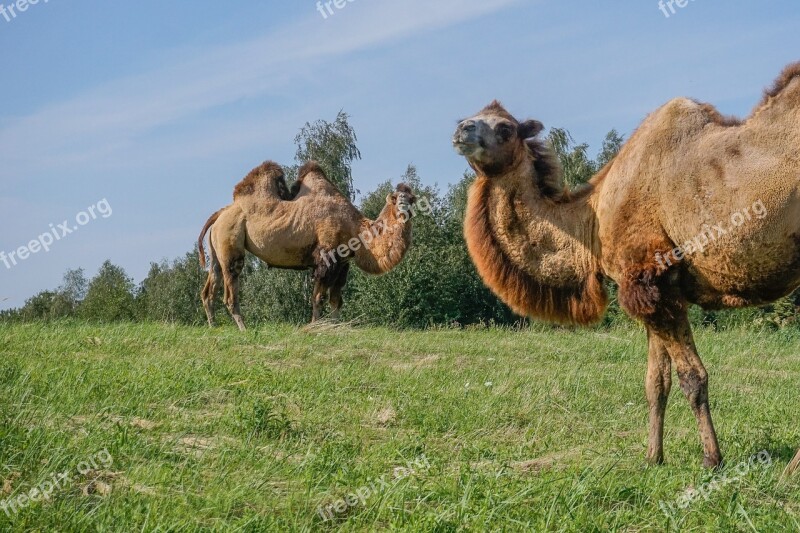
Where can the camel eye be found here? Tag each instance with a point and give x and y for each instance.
(505, 132)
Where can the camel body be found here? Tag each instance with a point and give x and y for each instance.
(685, 172)
(707, 182)
(313, 226)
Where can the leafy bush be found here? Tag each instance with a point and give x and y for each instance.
(171, 292)
(109, 297)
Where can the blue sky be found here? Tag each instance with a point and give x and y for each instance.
(161, 107)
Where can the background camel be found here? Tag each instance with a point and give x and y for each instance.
(684, 173)
(313, 226)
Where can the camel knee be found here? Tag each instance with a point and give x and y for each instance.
(208, 291)
(320, 299)
(658, 392)
(659, 381)
(694, 384)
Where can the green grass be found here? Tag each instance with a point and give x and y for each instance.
(531, 430)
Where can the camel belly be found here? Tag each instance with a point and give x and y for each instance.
(751, 273)
(282, 249)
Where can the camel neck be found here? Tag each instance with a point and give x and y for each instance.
(385, 242)
(537, 255)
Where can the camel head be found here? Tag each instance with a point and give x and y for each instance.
(493, 141)
(401, 203)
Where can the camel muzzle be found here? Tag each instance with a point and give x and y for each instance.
(466, 139)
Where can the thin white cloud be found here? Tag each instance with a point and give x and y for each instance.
(116, 113)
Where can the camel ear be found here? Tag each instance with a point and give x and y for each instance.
(530, 129)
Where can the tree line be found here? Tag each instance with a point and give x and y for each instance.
(435, 286)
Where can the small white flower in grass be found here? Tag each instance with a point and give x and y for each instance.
(467, 385)
(488, 384)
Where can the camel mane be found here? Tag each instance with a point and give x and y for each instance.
(581, 304)
(548, 175)
(268, 169)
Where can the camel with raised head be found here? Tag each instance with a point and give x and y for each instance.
(312, 227)
(697, 208)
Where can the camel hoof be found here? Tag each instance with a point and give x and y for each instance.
(655, 460)
(714, 462)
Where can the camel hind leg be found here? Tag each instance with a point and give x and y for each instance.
(211, 288)
(227, 242)
(231, 273)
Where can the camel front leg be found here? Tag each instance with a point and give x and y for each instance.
(658, 386)
(676, 336)
(318, 300)
(336, 292)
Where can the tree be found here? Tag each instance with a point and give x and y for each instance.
(612, 144)
(73, 288)
(171, 292)
(109, 297)
(333, 145)
(578, 168)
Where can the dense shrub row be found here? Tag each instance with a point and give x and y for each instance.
(436, 285)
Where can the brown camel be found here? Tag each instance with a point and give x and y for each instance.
(312, 227)
(697, 208)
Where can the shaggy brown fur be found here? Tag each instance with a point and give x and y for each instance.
(582, 303)
(686, 172)
(269, 174)
(312, 180)
(318, 229)
(784, 80)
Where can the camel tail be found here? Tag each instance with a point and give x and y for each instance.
(202, 237)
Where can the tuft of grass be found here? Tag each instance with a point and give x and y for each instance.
(524, 429)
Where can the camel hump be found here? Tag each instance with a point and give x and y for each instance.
(265, 171)
(789, 74)
(310, 167)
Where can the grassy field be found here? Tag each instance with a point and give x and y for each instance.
(157, 427)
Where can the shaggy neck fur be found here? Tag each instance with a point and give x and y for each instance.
(385, 242)
(538, 255)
